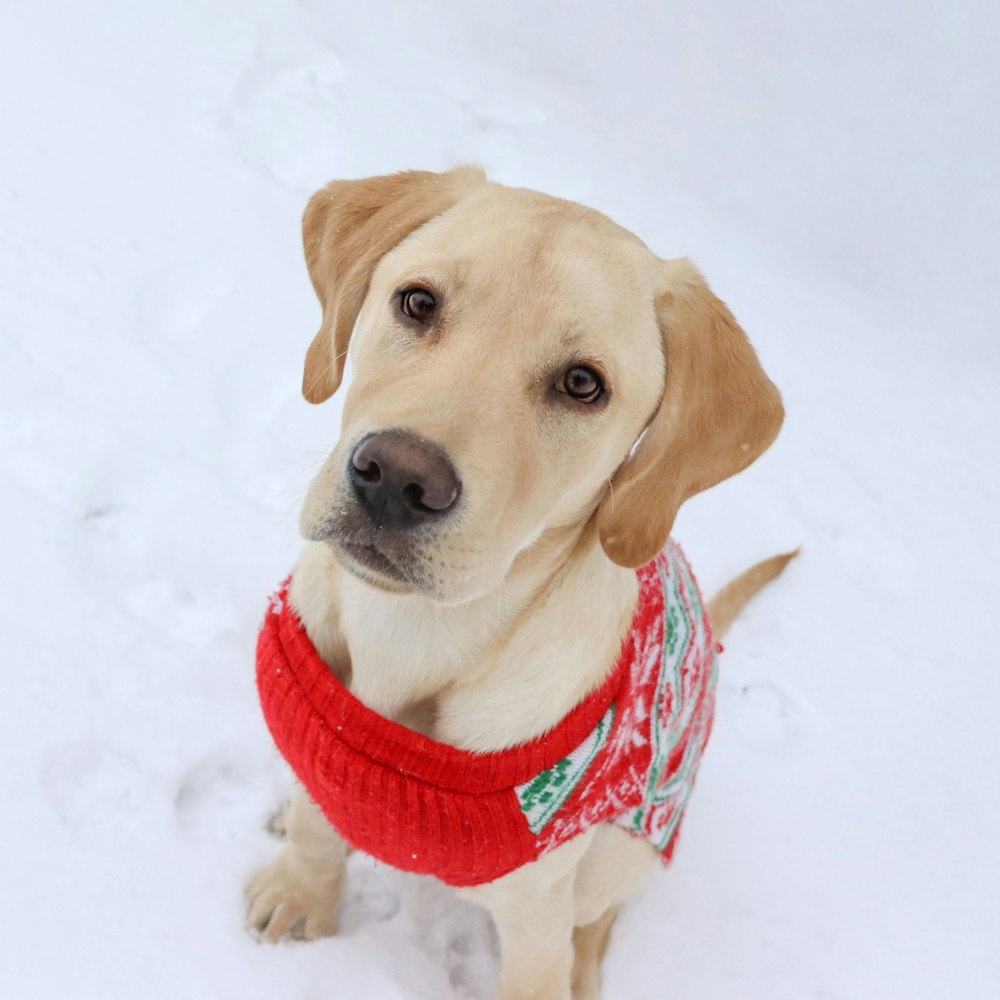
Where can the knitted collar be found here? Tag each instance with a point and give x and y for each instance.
(412, 754)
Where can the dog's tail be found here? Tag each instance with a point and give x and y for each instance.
(729, 601)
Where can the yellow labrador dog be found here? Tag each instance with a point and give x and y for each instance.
(534, 396)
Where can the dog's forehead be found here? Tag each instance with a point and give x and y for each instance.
(519, 240)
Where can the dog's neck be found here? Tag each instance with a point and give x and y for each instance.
(485, 675)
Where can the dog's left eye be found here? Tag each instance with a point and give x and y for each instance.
(418, 304)
(581, 382)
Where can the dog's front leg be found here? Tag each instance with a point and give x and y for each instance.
(536, 944)
(297, 895)
(533, 912)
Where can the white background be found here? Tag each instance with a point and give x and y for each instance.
(833, 169)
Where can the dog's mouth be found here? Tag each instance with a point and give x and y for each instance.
(388, 560)
(371, 558)
(373, 566)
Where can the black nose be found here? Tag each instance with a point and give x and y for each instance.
(401, 480)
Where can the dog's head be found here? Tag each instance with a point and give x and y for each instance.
(509, 351)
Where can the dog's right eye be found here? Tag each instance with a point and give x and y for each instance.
(418, 304)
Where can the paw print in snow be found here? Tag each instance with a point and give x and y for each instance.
(91, 784)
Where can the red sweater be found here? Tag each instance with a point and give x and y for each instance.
(626, 754)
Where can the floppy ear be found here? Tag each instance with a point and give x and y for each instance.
(719, 412)
(347, 228)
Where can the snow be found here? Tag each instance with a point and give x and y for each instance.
(832, 167)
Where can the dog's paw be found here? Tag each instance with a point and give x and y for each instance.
(290, 899)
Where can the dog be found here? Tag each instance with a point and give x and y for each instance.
(534, 396)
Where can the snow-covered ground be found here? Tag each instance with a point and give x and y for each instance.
(832, 167)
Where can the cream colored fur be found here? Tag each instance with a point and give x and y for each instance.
(513, 610)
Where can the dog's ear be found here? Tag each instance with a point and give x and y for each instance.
(347, 228)
(719, 412)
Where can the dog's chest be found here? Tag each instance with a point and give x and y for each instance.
(492, 673)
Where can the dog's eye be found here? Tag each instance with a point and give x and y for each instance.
(582, 383)
(418, 304)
